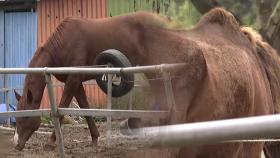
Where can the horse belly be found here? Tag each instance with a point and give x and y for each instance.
(232, 150)
(216, 101)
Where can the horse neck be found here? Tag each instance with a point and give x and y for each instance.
(41, 58)
(36, 82)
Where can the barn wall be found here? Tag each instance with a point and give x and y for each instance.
(20, 38)
(50, 14)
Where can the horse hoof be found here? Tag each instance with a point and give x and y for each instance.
(49, 147)
(94, 143)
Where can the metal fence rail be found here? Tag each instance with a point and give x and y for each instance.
(76, 70)
(214, 131)
(88, 112)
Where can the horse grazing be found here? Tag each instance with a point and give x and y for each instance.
(77, 42)
(226, 75)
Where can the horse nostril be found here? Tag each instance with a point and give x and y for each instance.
(19, 147)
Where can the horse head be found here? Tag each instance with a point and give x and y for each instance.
(25, 126)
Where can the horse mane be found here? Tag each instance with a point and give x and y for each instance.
(270, 61)
(56, 40)
(220, 16)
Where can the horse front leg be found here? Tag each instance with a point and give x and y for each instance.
(83, 103)
(71, 86)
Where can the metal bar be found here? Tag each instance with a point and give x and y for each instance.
(8, 107)
(169, 95)
(189, 134)
(12, 130)
(26, 113)
(152, 68)
(55, 114)
(113, 113)
(72, 70)
(88, 112)
(214, 132)
(9, 89)
(168, 90)
(54, 85)
(130, 101)
(109, 107)
(65, 70)
(6, 97)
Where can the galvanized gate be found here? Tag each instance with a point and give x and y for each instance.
(19, 43)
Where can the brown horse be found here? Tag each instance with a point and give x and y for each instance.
(224, 77)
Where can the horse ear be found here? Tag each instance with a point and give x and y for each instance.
(29, 96)
(17, 95)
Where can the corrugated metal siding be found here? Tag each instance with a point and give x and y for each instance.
(20, 44)
(117, 7)
(1, 53)
(50, 14)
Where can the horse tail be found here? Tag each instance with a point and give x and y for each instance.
(271, 63)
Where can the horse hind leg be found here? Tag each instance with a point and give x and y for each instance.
(83, 103)
(272, 149)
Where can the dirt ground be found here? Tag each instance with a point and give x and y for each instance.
(78, 145)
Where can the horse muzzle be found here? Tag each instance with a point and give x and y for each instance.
(18, 145)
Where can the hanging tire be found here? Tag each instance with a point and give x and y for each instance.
(114, 58)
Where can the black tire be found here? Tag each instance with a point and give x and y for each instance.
(116, 59)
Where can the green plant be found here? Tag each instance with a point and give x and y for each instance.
(46, 119)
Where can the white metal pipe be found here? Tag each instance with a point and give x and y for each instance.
(113, 113)
(88, 112)
(73, 70)
(214, 131)
(109, 107)
(60, 70)
(183, 134)
(169, 96)
(8, 107)
(130, 99)
(26, 113)
(55, 115)
(12, 130)
(152, 68)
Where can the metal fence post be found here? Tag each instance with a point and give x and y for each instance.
(55, 115)
(7, 106)
(109, 106)
(130, 101)
(169, 93)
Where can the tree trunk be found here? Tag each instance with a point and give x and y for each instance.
(204, 6)
(264, 10)
(271, 31)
